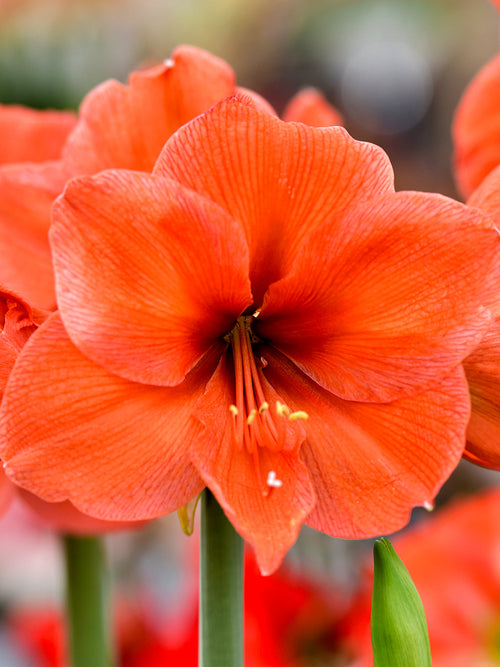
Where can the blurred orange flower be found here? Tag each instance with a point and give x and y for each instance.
(476, 129)
(264, 316)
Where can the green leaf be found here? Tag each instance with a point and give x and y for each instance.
(399, 629)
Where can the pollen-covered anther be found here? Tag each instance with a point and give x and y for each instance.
(263, 407)
(251, 416)
(282, 410)
(233, 410)
(300, 414)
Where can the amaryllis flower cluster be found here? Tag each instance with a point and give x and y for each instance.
(252, 309)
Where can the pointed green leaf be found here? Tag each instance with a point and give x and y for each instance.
(398, 625)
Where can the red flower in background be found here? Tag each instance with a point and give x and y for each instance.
(302, 628)
(452, 558)
(266, 272)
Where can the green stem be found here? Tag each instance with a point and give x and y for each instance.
(87, 602)
(221, 588)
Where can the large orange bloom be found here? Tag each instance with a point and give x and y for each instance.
(262, 315)
(119, 126)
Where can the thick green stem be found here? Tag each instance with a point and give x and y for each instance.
(221, 588)
(87, 591)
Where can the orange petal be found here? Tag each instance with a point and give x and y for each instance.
(370, 464)
(482, 369)
(26, 196)
(17, 323)
(476, 129)
(116, 449)
(271, 522)
(30, 135)
(309, 106)
(126, 126)
(64, 517)
(148, 273)
(281, 180)
(7, 492)
(387, 297)
(254, 99)
(487, 196)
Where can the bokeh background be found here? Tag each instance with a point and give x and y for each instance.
(394, 68)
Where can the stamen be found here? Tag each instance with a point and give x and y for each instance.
(251, 416)
(300, 414)
(255, 425)
(282, 409)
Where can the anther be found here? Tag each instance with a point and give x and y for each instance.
(300, 414)
(251, 416)
(263, 407)
(282, 409)
(233, 410)
(273, 481)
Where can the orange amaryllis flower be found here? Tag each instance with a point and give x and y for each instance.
(264, 316)
(119, 126)
(476, 129)
(452, 557)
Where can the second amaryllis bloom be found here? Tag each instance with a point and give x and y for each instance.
(264, 316)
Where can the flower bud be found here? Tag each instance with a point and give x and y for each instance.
(398, 625)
